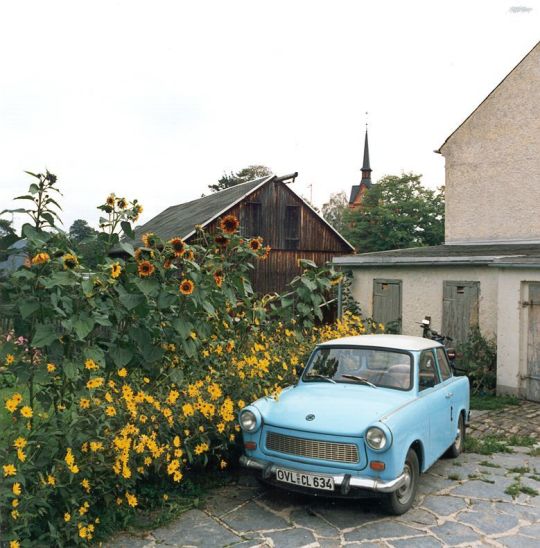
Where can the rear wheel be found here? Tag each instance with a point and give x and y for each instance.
(400, 501)
(457, 447)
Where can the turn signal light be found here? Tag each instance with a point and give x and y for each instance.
(377, 465)
(250, 445)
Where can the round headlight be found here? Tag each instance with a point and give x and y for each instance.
(376, 438)
(248, 421)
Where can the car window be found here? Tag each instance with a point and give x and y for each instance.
(427, 372)
(384, 368)
(444, 366)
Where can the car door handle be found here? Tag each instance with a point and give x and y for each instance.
(449, 395)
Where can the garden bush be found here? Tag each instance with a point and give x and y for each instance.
(128, 378)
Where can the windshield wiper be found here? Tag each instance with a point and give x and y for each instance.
(316, 375)
(361, 379)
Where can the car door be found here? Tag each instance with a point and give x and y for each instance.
(445, 374)
(432, 391)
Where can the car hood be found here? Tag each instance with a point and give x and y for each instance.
(339, 409)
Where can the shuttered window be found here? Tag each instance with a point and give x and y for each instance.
(252, 222)
(292, 227)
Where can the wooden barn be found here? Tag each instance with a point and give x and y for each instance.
(266, 207)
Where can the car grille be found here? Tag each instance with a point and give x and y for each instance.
(313, 449)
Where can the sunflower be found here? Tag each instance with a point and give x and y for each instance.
(116, 270)
(266, 253)
(145, 268)
(137, 210)
(218, 277)
(229, 224)
(122, 203)
(149, 239)
(41, 258)
(189, 255)
(221, 240)
(178, 246)
(255, 244)
(186, 287)
(70, 261)
(167, 264)
(110, 200)
(143, 254)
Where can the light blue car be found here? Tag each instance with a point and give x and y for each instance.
(368, 415)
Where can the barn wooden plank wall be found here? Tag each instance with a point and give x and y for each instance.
(313, 239)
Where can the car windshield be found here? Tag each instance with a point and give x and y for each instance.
(367, 366)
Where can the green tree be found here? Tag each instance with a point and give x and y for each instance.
(80, 230)
(396, 213)
(334, 210)
(7, 237)
(243, 176)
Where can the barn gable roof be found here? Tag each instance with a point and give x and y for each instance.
(440, 149)
(180, 220)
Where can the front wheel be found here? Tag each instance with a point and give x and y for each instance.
(400, 501)
(457, 447)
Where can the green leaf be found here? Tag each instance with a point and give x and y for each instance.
(121, 356)
(44, 335)
(166, 299)
(83, 325)
(182, 327)
(176, 376)
(151, 353)
(128, 248)
(71, 369)
(189, 347)
(208, 307)
(27, 309)
(95, 353)
(132, 300)
(148, 287)
(33, 189)
(128, 231)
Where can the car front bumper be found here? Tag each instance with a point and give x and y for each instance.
(344, 481)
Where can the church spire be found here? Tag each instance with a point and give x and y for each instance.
(366, 169)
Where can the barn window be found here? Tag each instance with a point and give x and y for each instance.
(252, 220)
(292, 227)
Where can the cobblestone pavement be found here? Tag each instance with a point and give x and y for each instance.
(522, 420)
(461, 502)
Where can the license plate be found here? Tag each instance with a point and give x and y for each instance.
(313, 481)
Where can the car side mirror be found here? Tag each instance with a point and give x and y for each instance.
(451, 353)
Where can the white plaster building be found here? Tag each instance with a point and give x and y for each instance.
(488, 271)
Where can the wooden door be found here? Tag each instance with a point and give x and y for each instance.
(387, 304)
(460, 309)
(532, 379)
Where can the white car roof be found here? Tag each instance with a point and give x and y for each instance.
(396, 342)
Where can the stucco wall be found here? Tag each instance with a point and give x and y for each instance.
(493, 165)
(512, 328)
(422, 293)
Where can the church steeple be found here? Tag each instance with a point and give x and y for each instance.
(366, 169)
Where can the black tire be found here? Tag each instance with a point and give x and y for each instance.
(400, 501)
(457, 447)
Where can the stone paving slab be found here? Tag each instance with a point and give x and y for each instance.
(471, 511)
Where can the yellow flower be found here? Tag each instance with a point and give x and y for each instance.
(110, 411)
(10, 358)
(9, 470)
(110, 199)
(67, 517)
(188, 410)
(96, 382)
(96, 446)
(86, 485)
(90, 364)
(186, 287)
(176, 441)
(201, 448)
(41, 258)
(165, 497)
(145, 269)
(20, 443)
(84, 403)
(15, 503)
(51, 368)
(131, 500)
(70, 261)
(83, 532)
(26, 412)
(51, 480)
(15, 514)
(17, 490)
(122, 372)
(116, 270)
(14, 544)
(21, 455)
(223, 464)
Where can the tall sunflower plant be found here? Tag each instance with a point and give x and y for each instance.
(129, 376)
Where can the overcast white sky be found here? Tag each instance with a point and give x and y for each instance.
(155, 100)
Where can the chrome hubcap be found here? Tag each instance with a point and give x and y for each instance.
(405, 491)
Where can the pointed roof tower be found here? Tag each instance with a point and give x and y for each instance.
(357, 191)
